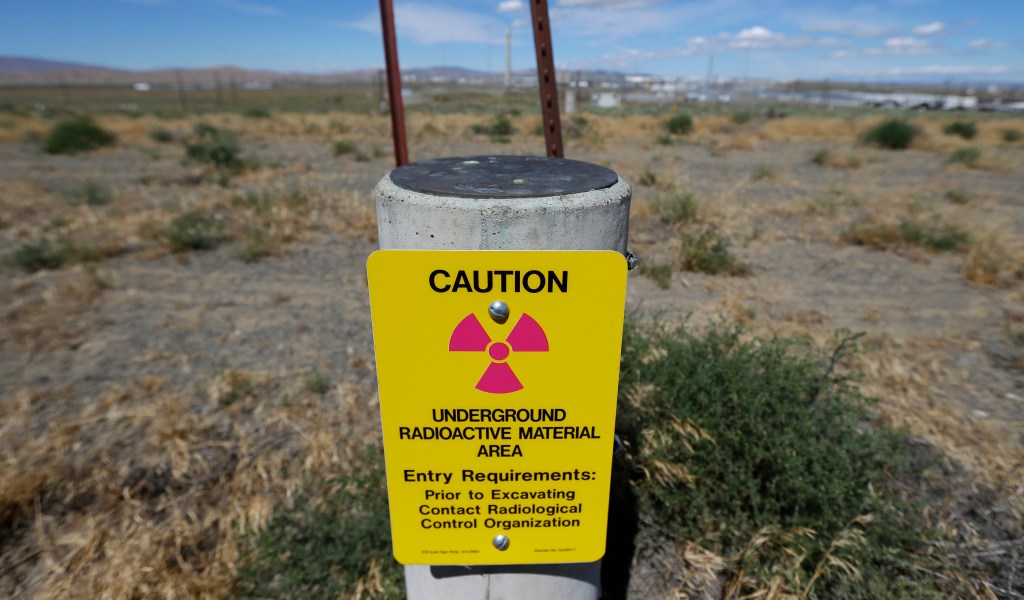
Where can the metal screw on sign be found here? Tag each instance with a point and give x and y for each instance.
(501, 542)
(499, 312)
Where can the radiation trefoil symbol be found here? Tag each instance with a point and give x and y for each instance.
(498, 378)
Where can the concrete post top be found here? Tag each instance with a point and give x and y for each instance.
(485, 184)
(499, 177)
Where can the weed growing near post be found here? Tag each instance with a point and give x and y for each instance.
(966, 156)
(893, 134)
(964, 129)
(660, 273)
(333, 540)
(758, 450)
(708, 253)
(78, 134)
(680, 124)
(679, 208)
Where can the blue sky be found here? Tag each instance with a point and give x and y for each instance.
(936, 40)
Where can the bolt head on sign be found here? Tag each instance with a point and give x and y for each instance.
(497, 429)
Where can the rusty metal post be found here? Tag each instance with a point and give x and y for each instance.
(546, 78)
(387, 21)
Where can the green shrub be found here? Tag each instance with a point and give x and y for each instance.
(647, 178)
(193, 231)
(958, 197)
(344, 147)
(161, 135)
(77, 134)
(40, 254)
(361, 156)
(679, 208)
(91, 193)
(892, 134)
(660, 273)
(256, 113)
(37, 255)
(330, 537)
(821, 157)
(741, 118)
(708, 253)
(664, 140)
(938, 237)
(218, 148)
(317, 383)
(680, 124)
(1011, 135)
(964, 129)
(966, 156)
(935, 236)
(763, 172)
(500, 126)
(758, 451)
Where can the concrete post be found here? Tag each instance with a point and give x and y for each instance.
(503, 203)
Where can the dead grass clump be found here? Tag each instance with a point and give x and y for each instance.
(829, 129)
(990, 262)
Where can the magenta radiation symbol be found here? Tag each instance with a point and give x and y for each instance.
(498, 378)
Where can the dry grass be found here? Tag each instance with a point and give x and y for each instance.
(144, 488)
(143, 492)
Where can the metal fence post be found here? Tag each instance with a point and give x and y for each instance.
(503, 203)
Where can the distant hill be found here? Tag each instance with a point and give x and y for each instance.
(21, 64)
(17, 70)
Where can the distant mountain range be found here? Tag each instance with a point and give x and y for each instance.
(17, 70)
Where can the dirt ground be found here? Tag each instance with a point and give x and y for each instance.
(155, 404)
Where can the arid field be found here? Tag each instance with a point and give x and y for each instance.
(186, 353)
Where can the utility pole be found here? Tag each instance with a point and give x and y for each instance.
(182, 94)
(508, 56)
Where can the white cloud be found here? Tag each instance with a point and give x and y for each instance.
(985, 44)
(901, 46)
(933, 28)
(753, 38)
(432, 24)
(507, 6)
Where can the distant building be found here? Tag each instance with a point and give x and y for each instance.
(141, 87)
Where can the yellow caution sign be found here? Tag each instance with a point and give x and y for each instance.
(498, 373)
